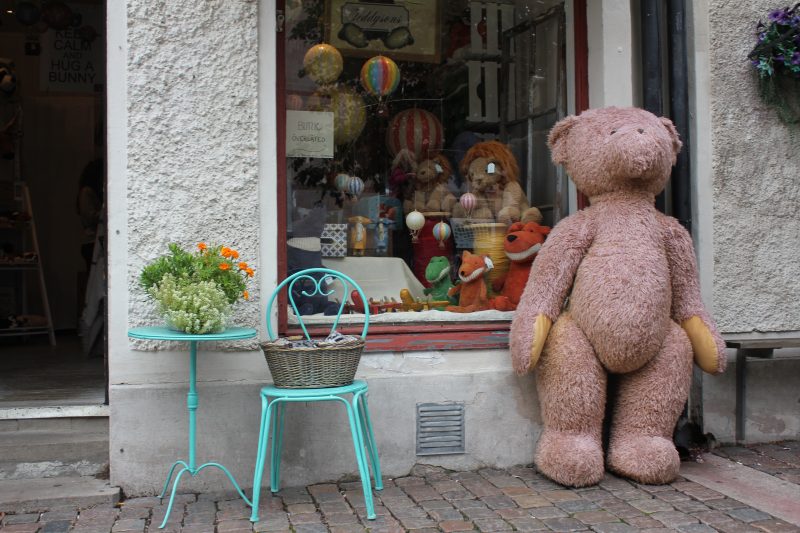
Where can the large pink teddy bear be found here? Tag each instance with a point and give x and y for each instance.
(634, 306)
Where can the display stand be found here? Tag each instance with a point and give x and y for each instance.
(166, 334)
(25, 229)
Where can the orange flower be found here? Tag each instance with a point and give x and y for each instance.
(250, 272)
(234, 254)
(224, 266)
(225, 251)
(246, 295)
(202, 246)
(242, 266)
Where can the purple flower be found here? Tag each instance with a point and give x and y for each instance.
(779, 58)
(796, 58)
(781, 16)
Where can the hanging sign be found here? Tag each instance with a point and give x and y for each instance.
(71, 59)
(309, 134)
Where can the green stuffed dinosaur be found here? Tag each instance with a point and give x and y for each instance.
(438, 275)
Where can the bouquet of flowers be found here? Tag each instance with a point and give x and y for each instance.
(195, 291)
(776, 57)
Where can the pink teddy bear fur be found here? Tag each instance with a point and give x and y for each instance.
(634, 306)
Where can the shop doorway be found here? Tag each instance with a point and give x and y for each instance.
(53, 351)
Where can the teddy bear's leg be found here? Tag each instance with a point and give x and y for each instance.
(572, 389)
(647, 407)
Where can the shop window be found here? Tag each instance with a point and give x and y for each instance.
(416, 146)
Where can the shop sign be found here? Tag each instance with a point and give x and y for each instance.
(71, 60)
(309, 134)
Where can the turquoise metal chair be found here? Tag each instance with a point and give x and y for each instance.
(353, 397)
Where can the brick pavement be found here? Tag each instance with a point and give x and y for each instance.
(434, 499)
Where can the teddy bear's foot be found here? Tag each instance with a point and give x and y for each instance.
(570, 459)
(646, 459)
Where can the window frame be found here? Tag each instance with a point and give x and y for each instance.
(418, 336)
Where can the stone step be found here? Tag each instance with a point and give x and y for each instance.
(37, 495)
(55, 449)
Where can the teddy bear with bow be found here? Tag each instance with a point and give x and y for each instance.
(492, 175)
(634, 306)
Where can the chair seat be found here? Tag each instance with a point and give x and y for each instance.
(272, 391)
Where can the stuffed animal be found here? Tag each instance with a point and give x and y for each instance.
(429, 191)
(634, 306)
(493, 177)
(404, 167)
(522, 243)
(472, 293)
(438, 275)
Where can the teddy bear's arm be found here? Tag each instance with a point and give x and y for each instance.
(514, 203)
(687, 305)
(548, 284)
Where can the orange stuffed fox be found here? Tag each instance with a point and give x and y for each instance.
(472, 288)
(521, 245)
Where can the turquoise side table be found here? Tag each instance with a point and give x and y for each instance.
(166, 334)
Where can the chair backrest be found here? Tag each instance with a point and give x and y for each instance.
(319, 279)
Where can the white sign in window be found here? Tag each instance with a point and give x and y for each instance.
(309, 134)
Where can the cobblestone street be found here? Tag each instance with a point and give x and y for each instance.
(434, 499)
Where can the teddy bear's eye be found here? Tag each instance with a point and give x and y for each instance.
(613, 132)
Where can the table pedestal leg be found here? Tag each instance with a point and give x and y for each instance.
(191, 404)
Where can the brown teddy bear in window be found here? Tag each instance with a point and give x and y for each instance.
(429, 191)
(493, 177)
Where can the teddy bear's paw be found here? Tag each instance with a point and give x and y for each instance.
(570, 459)
(646, 459)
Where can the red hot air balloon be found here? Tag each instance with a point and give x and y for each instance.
(417, 130)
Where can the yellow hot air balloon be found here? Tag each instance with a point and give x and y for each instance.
(323, 64)
(349, 112)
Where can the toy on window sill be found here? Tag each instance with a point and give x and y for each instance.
(471, 289)
(438, 275)
(429, 190)
(383, 227)
(358, 234)
(418, 304)
(493, 178)
(521, 244)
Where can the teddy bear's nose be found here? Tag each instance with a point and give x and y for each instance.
(640, 130)
(511, 238)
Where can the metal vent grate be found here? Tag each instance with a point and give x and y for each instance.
(440, 428)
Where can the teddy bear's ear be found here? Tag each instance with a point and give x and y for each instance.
(673, 132)
(557, 140)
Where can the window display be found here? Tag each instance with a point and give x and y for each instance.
(415, 149)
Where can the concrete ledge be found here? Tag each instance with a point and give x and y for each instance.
(31, 495)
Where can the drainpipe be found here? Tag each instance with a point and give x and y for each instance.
(652, 73)
(681, 174)
(679, 107)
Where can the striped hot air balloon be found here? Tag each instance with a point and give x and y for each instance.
(417, 130)
(442, 232)
(355, 186)
(380, 76)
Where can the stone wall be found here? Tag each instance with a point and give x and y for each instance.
(756, 192)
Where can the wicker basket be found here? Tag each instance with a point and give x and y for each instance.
(312, 368)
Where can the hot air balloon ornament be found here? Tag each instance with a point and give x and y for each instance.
(468, 202)
(380, 77)
(341, 181)
(442, 232)
(323, 63)
(415, 221)
(355, 186)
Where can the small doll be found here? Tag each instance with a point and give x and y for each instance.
(358, 234)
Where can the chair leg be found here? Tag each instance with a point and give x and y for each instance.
(277, 447)
(369, 437)
(263, 437)
(358, 445)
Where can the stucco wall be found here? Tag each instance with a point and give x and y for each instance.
(192, 168)
(755, 168)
